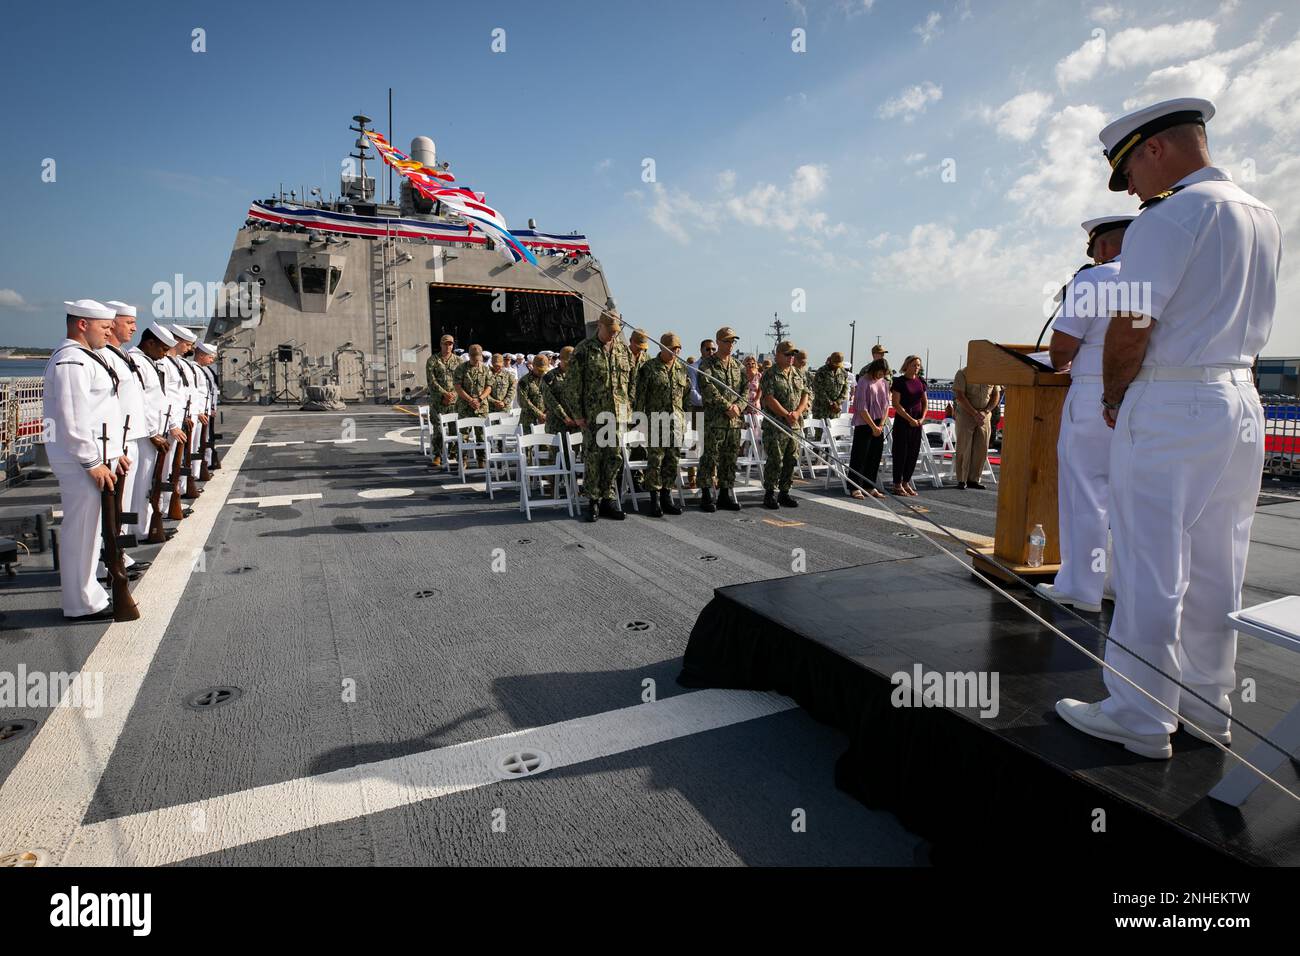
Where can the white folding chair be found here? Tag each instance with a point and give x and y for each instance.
(937, 452)
(628, 441)
(496, 418)
(572, 441)
(692, 448)
(533, 466)
(815, 448)
(426, 430)
(839, 436)
(502, 457)
(751, 450)
(470, 445)
(450, 437)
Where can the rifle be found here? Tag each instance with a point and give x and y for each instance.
(124, 517)
(124, 608)
(157, 533)
(212, 440)
(191, 486)
(174, 510)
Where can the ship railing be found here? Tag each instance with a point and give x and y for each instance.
(22, 417)
(1282, 439)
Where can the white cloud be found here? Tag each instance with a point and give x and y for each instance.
(1266, 91)
(1108, 14)
(1019, 116)
(1207, 76)
(726, 180)
(9, 299)
(911, 101)
(912, 158)
(1068, 182)
(674, 211)
(928, 29)
(604, 164)
(1135, 46)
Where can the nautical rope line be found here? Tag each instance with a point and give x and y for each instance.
(844, 472)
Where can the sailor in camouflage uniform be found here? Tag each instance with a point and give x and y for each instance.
(558, 419)
(440, 372)
(785, 398)
(664, 391)
(502, 383)
(830, 387)
(473, 385)
(722, 386)
(801, 369)
(596, 391)
(532, 395)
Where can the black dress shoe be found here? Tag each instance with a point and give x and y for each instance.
(187, 511)
(609, 508)
(592, 511)
(706, 501)
(961, 486)
(976, 485)
(727, 500)
(140, 566)
(769, 500)
(656, 510)
(104, 615)
(786, 501)
(169, 533)
(666, 502)
(131, 575)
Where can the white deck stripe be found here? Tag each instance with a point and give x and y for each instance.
(169, 835)
(270, 501)
(45, 797)
(879, 512)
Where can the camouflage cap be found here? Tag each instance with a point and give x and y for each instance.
(448, 338)
(611, 320)
(786, 348)
(639, 337)
(541, 361)
(836, 359)
(670, 341)
(566, 351)
(727, 334)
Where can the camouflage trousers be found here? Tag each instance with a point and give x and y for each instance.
(721, 448)
(661, 468)
(782, 453)
(602, 467)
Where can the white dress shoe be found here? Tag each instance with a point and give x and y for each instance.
(1222, 736)
(1049, 590)
(1090, 719)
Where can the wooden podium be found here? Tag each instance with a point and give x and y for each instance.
(1027, 478)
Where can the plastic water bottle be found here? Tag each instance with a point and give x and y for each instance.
(1037, 545)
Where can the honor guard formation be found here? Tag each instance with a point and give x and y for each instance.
(1160, 446)
(128, 432)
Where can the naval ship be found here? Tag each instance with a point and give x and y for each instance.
(357, 292)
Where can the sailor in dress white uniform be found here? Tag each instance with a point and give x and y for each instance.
(131, 387)
(197, 392)
(80, 399)
(1083, 444)
(204, 355)
(1188, 449)
(180, 388)
(160, 416)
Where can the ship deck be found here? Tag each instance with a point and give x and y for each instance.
(399, 641)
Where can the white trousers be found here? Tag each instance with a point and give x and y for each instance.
(79, 541)
(1083, 494)
(1185, 471)
(130, 481)
(138, 501)
(172, 445)
(196, 448)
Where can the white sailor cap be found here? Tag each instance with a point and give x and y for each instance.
(530, 357)
(183, 333)
(1121, 135)
(122, 308)
(88, 309)
(206, 348)
(1103, 224)
(162, 334)
(487, 355)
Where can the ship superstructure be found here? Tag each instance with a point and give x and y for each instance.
(358, 292)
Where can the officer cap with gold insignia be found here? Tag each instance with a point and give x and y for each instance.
(1121, 136)
(1104, 224)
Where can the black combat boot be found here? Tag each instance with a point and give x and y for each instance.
(727, 500)
(592, 511)
(609, 508)
(786, 501)
(666, 502)
(706, 501)
(655, 509)
(769, 499)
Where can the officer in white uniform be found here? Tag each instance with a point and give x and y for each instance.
(204, 355)
(198, 394)
(80, 399)
(131, 387)
(1188, 450)
(160, 417)
(1083, 443)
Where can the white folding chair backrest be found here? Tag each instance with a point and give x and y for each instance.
(426, 429)
(531, 467)
(450, 436)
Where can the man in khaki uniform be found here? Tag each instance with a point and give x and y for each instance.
(973, 408)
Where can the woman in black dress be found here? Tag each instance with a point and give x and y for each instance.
(907, 396)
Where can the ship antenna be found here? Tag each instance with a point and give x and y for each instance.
(360, 129)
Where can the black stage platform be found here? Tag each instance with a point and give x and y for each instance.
(1019, 784)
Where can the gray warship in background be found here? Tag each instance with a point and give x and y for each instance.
(356, 292)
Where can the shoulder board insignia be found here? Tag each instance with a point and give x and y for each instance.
(69, 363)
(1160, 197)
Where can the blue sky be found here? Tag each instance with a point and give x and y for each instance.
(922, 168)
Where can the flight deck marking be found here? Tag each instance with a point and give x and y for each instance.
(970, 537)
(782, 524)
(271, 501)
(45, 797)
(157, 837)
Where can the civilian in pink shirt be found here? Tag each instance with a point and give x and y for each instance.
(870, 408)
